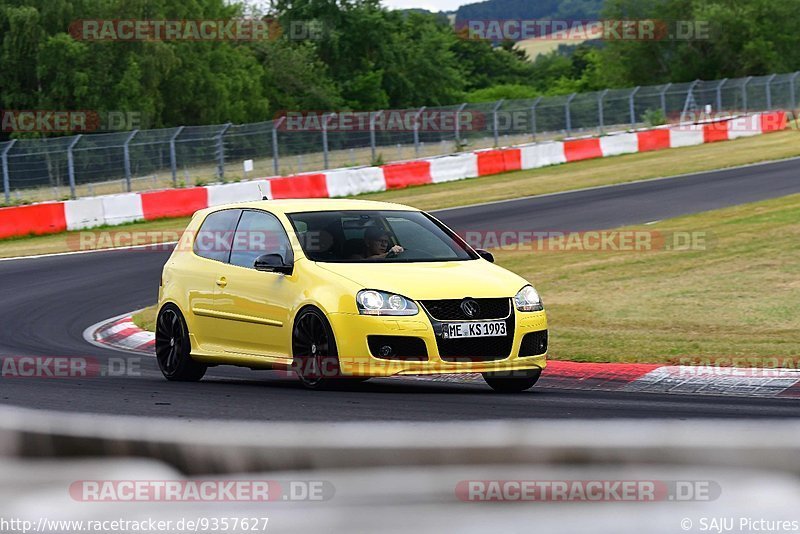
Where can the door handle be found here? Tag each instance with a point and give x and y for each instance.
(222, 281)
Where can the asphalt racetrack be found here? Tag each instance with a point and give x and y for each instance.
(48, 302)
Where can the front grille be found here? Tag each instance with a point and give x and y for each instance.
(477, 349)
(450, 310)
(534, 344)
(402, 348)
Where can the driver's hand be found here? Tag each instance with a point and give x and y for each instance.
(397, 249)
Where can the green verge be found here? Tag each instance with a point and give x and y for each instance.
(566, 177)
(729, 299)
(146, 318)
(734, 297)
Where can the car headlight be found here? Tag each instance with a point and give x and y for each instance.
(371, 302)
(527, 300)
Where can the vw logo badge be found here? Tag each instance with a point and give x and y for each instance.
(471, 308)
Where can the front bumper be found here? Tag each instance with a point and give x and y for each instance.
(355, 359)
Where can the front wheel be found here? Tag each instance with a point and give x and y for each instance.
(316, 359)
(173, 348)
(512, 382)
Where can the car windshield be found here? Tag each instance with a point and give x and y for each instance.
(377, 236)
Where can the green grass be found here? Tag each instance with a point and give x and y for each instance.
(146, 318)
(578, 175)
(735, 297)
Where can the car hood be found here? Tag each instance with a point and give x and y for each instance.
(435, 280)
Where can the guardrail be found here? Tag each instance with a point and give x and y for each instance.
(94, 164)
(54, 217)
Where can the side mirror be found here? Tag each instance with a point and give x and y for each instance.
(272, 263)
(485, 254)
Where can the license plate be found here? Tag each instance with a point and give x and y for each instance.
(482, 329)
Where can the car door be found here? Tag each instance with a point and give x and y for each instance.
(211, 249)
(256, 305)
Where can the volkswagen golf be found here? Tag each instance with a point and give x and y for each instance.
(338, 289)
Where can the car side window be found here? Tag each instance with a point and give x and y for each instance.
(215, 237)
(259, 233)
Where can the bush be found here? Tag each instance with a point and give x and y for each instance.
(502, 92)
(655, 117)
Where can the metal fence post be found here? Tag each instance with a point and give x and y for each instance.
(126, 155)
(458, 123)
(792, 90)
(325, 150)
(221, 151)
(632, 105)
(173, 159)
(496, 123)
(568, 113)
(744, 92)
(6, 176)
(769, 92)
(719, 94)
(416, 129)
(600, 118)
(275, 152)
(71, 166)
(663, 96)
(372, 141)
(533, 116)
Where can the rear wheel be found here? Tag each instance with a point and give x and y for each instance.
(512, 382)
(173, 348)
(316, 359)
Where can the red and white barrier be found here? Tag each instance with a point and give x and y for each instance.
(53, 217)
(616, 145)
(543, 155)
(346, 182)
(301, 186)
(651, 140)
(221, 194)
(121, 209)
(691, 135)
(499, 161)
(84, 213)
(456, 167)
(581, 149)
(410, 173)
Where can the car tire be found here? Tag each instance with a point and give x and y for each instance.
(314, 352)
(174, 349)
(512, 382)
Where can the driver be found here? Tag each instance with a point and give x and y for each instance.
(376, 245)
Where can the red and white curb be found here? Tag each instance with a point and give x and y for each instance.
(120, 333)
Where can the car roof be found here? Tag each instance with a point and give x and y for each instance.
(314, 204)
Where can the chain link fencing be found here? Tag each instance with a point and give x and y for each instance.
(93, 164)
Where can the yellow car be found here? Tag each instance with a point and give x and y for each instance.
(336, 289)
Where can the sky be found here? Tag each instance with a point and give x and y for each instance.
(430, 5)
